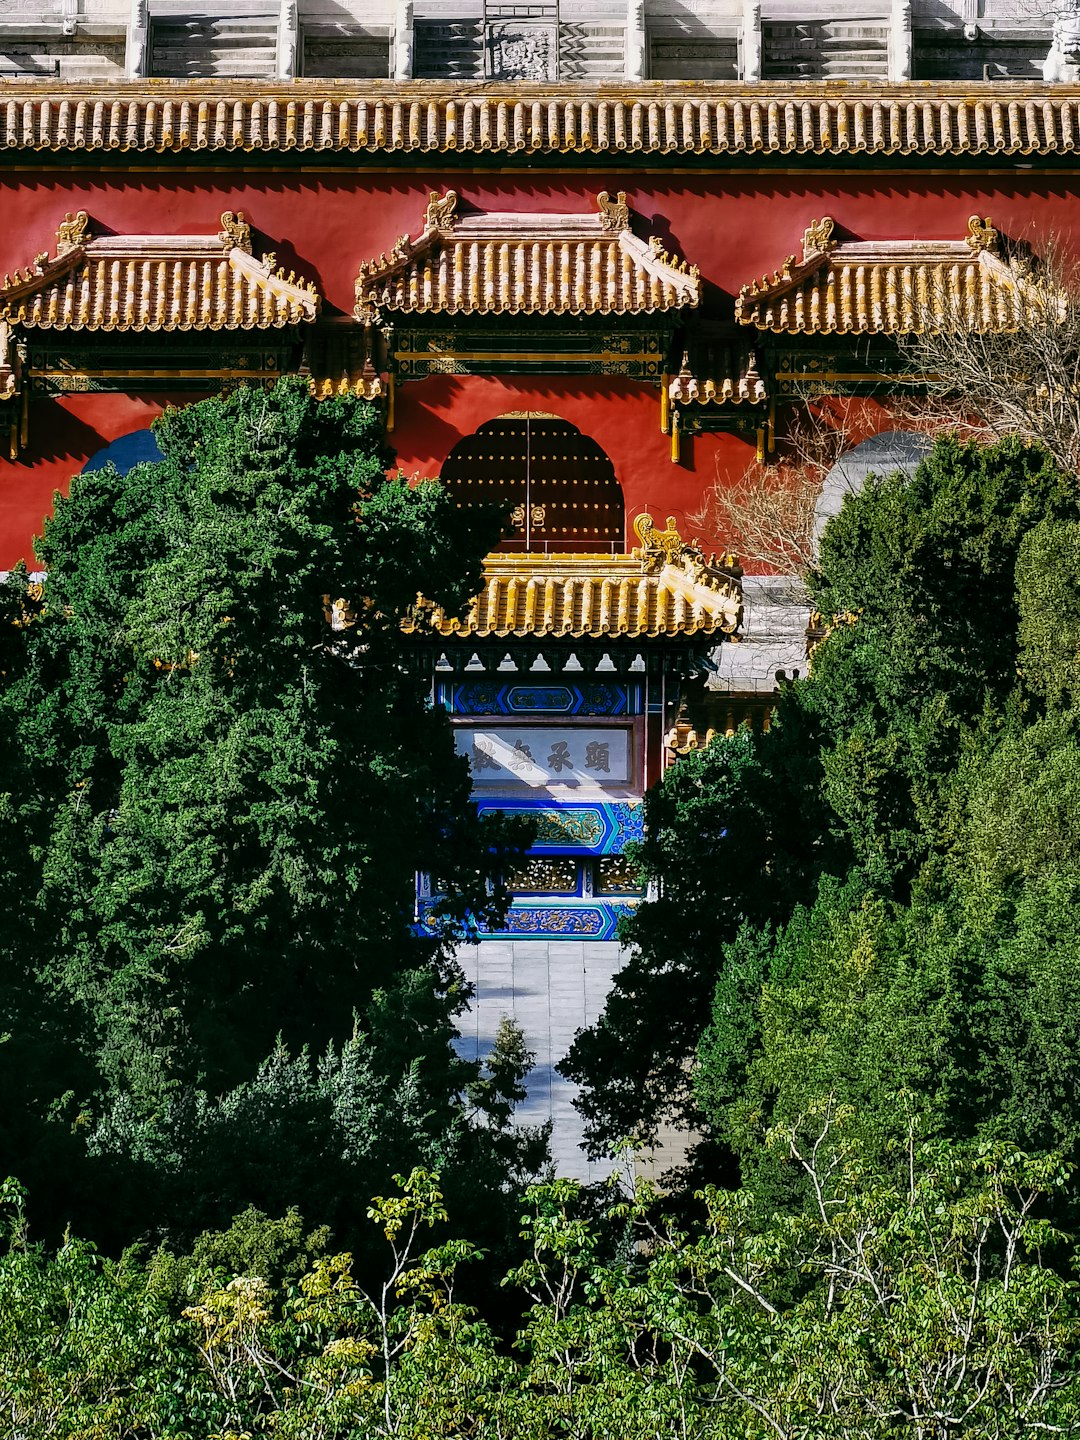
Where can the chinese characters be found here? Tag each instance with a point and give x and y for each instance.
(559, 755)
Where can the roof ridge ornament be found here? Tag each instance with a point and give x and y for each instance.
(982, 235)
(484, 262)
(663, 548)
(818, 238)
(658, 547)
(893, 286)
(71, 232)
(614, 214)
(235, 233)
(241, 293)
(441, 214)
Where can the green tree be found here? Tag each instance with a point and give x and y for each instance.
(910, 1310)
(938, 975)
(231, 795)
(818, 887)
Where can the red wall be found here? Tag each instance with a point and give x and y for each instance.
(64, 433)
(734, 227)
(622, 416)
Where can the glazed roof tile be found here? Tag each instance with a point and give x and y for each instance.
(526, 264)
(659, 118)
(717, 374)
(344, 358)
(155, 282)
(586, 597)
(890, 287)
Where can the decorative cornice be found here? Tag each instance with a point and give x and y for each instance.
(592, 597)
(155, 282)
(525, 264)
(660, 118)
(343, 358)
(893, 287)
(712, 374)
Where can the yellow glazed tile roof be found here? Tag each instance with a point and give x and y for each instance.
(155, 282)
(344, 358)
(526, 264)
(592, 597)
(660, 118)
(890, 287)
(713, 374)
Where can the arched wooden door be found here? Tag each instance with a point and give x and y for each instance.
(559, 485)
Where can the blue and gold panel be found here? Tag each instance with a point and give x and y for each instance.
(529, 919)
(548, 920)
(540, 697)
(598, 829)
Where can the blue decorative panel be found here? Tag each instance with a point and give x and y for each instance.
(551, 920)
(537, 920)
(600, 829)
(540, 697)
(541, 700)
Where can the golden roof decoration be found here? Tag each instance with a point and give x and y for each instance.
(614, 214)
(155, 282)
(71, 231)
(717, 374)
(235, 232)
(602, 597)
(893, 287)
(684, 738)
(343, 358)
(525, 264)
(672, 119)
(818, 236)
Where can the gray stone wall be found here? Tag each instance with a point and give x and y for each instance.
(566, 41)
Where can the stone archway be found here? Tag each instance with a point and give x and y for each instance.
(560, 485)
(126, 451)
(882, 454)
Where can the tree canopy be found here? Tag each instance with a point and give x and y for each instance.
(874, 901)
(217, 804)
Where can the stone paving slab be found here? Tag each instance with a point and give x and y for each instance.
(552, 989)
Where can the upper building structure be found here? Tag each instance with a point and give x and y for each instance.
(586, 42)
(592, 259)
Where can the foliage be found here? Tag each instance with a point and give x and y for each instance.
(1022, 380)
(227, 803)
(712, 839)
(874, 899)
(918, 1310)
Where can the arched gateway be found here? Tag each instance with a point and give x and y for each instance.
(559, 484)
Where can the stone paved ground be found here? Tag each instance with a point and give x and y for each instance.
(552, 990)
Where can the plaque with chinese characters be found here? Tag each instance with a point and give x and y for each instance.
(547, 757)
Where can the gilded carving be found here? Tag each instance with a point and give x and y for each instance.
(235, 233)
(440, 213)
(614, 214)
(584, 920)
(981, 234)
(550, 875)
(537, 516)
(656, 248)
(658, 547)
(662, 548)
(71, 232)
(568, 827)
(818, 238)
